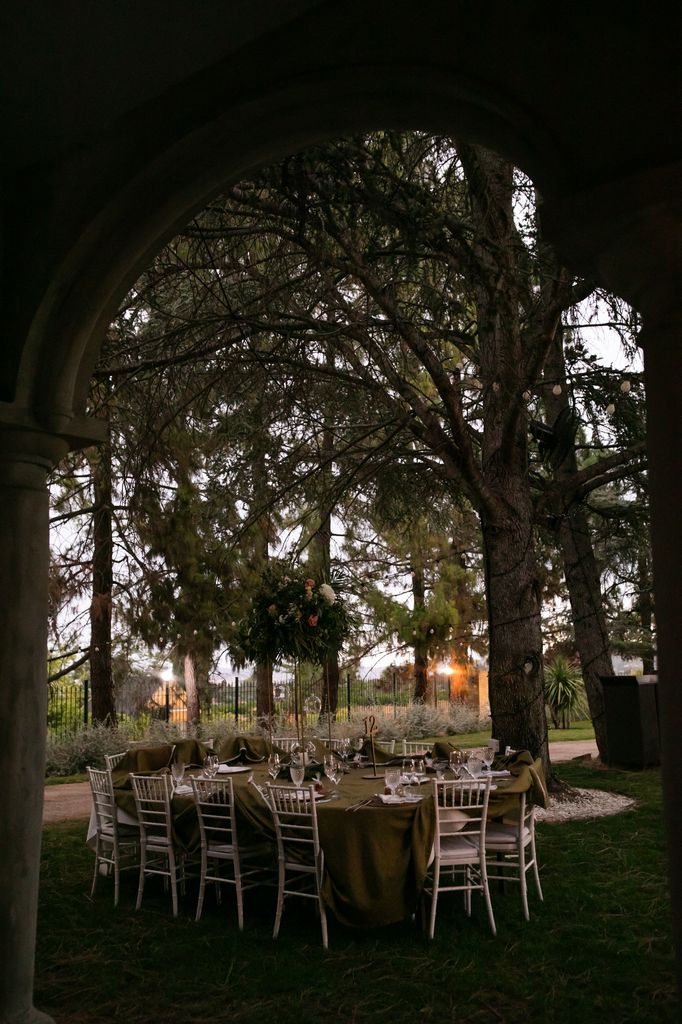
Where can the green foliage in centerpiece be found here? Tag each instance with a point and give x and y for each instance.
(293, 616)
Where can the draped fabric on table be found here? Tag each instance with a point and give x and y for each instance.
(381, 756)
(375, 858)
(242, 749)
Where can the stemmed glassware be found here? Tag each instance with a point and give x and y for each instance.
(332, 768)
(297, 769)
(392, 778)
(211, 766)
(357, 743)
(344, 746)
(178, 773)
(274, 766)
(456, 763)
(488, 756)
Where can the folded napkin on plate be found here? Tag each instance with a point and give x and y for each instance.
(183, 790)
(389, 798)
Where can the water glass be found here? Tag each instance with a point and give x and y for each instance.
(178, 773)
(297, 773)
(488, 756)
(274, 766)
(392, 778)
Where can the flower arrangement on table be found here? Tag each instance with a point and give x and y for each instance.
(293, 617)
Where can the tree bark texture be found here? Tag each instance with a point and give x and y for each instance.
(191, 689)
(420, 644)
(581, 571)
(101, 679)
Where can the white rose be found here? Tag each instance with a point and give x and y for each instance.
(327, 594)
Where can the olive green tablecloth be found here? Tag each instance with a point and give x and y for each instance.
(376, 857)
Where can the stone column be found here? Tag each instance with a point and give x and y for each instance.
(662, 345)
(25, 459)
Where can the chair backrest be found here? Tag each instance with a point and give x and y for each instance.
(284, 742)
(111, 760)
(153, 804)
(103, 803)
(295, 816)
(414, 747)
(215, 811)
(461, 807)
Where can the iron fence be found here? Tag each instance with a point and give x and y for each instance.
(69, 704)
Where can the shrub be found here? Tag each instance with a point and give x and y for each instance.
(564, 692)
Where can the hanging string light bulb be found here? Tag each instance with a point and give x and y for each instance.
(610, 409)
(625, 386)
(556, 390)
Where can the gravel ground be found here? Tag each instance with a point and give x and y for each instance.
(584, 803)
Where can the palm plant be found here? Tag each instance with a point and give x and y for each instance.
(564, 692)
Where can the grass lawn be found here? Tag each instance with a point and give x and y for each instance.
(597, 951)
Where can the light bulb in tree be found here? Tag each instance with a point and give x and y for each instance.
(610, 409)
(526, 396)
(556, 390)
(496, 386)
(625, 386)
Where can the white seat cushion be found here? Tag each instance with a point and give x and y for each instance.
(504, 836)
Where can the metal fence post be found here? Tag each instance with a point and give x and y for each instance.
(395, 696)
(86, 700)
(167, 702)
(236, 700)
(348, 693)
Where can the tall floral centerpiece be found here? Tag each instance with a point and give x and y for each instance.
(293, 617)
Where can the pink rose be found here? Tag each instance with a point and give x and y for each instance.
(309, 584)
(312, 620)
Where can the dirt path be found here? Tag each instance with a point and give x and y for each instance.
(72, 801)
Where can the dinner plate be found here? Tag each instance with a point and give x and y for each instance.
(230, 769)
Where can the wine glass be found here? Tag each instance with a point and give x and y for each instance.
(331, 768)
(211, 766)
(343, 747)
(274, 766)
(474, 766)
(392, 778)
(488, 756)
(178, 773)
(456, 763)
(297, 770)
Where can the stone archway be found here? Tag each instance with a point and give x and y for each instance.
(93, 200)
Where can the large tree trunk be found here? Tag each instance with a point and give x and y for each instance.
(330, 687)
(587, 611)
(191, 689)
(101, 680)
(580, 565)
(645, 607)
(264, 702)
(420, 644)
(516, 684)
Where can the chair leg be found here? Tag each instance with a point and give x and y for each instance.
(486, 895)
(117, 877)
(536, 874)
(523, 882)
(172, 867)
(280, 901)
(143, 865)
(239, 893)
(94, 877)
(323, 921)
(202, 885)
(434, 899)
